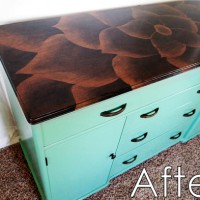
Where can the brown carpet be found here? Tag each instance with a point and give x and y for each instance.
(16, 182)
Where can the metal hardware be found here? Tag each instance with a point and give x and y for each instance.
(176, 136)
(46, 161)
(150, 114)
(113, 156)
(189, 114)
(140, 138)
(114, 111)
(130, 160)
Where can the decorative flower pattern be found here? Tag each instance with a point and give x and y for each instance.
(64, 63)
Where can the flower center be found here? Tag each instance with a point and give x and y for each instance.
(163, 30)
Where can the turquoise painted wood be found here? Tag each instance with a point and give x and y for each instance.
(140, 135)
(82, 164)
(134, 99)
(194, 130)
(31, 142)
(76, 154)
(183, 101)
(146, 151)
(138, 130)
(77, 145)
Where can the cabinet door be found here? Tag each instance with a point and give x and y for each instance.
(81, 165)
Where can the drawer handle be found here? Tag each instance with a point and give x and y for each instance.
(140, 138)
(176, 136)
(130, 160)
(150, 114)
(114, 111)
(190, 113)
(198, 91)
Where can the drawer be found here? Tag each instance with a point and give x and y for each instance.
(163, 108)
(82, 119)
(146, 151)
(135, 136)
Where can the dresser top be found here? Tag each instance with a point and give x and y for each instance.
(60, 64)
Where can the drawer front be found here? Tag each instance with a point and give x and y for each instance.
(179, 109)
(72, 123)
(146, 151)
(162, 109)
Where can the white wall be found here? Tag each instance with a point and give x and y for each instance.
(18, 10)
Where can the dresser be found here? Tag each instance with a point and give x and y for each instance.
(95, 94)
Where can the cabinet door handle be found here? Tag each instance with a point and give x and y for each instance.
(190, 113)
(198, 91)
(176, 136)
(114, 111)
(113, 156)
(150, 114)
(130, 160)
(140, 138)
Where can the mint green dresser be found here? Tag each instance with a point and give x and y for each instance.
(95, 94)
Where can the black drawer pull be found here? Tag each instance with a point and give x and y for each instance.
(198, 91)
(114, 111)
(150, 114)
(140, 138)
(190, 113)
(176, 136)
(130, 160)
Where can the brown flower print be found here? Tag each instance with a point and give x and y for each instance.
(168, 33)
(28, 36)
(52, 62)
(39, 95)
(81, 29)
(96, 55)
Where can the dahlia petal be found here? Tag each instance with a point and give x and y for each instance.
(114, 17)
(179, 22)
(147, 16)
(167, 46)
(162, 9)
(190, 57)
(28, 36)
(138, 71)
(138, 28)
(41, 96)
(198, 25)
(114, 41)
(191, 10)
(84, 66)
(85, 96)
(186, 37)
(81, 29)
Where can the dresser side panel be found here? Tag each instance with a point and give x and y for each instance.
(31, 147)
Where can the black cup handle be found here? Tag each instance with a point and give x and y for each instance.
(189, 114)
(150, 114)
(176, 136)
(114, 111)
(140, 138)
(130, 160)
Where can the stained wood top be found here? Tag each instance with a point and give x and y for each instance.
(60, 64)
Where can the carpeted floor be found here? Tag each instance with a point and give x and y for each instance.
(16, 182)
